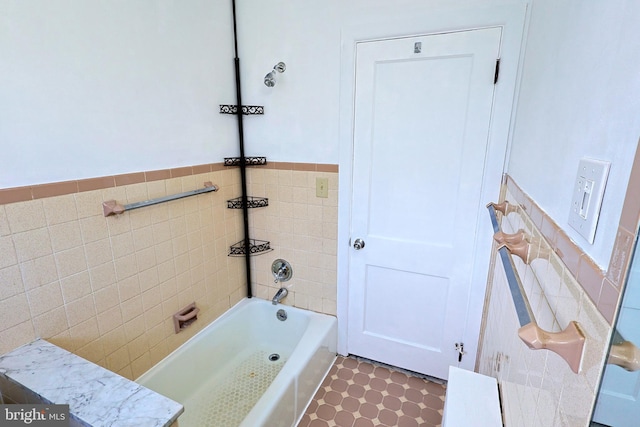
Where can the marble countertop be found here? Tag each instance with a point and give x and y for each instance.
(96, 396)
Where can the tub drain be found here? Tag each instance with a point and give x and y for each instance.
(274, 357)
(281, 315)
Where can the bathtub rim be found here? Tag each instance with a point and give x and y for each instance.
(220, 319)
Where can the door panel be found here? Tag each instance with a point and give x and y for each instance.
(420, 139)
(381, 317)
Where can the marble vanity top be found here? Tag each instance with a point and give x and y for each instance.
(96, 396)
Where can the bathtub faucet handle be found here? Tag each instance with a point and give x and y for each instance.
(281, 270)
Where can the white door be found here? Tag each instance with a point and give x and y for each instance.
(619, 397)
(422, 115)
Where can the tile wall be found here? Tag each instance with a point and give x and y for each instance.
(538, 387)
(106, 288)
(302, 229)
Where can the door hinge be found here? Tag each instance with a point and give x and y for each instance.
(497, 72)
(460, 350)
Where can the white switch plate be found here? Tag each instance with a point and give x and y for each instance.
(586, 201)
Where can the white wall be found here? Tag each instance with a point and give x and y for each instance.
(580, 97)
(301, 112)
(92, 88)
(579, 94)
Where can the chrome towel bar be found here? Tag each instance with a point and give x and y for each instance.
(111, 207)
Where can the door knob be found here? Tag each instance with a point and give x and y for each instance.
(358, 244)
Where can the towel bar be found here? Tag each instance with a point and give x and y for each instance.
(569, 343)
(111, 207)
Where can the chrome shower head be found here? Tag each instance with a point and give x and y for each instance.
(270, 78)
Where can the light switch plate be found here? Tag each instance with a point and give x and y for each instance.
(322, 187)
(588, 191)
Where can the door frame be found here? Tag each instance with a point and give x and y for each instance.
(419, 22)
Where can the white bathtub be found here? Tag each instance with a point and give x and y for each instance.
(224, 375)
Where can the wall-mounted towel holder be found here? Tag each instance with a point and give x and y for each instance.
(111, 207)
(624, 353)
(569, 343)
(505, 207)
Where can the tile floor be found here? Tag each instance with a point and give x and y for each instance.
(358, 393)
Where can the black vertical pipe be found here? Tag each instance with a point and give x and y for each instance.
(243, 163)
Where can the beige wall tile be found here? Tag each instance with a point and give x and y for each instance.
(140, 218)
(142, 364)
(149, 279)
(138, 346)
(128, 288)
(94, 228)
(8, 255)
(10, 282)
(122, 245)
(70, 262)
(39, 271)
(106, 298)
(98, 252)
(14, 311)
(159, 214)
(80, 310)
(146, 259)
(161, 231)
(164, 252)
(110, 320)
(153, 316)
(118, 360)
(15, 336)
(85, 332)
(60, 209)
(4, 223)
(142, 237)
(45, 298)
(51, 323)
(32, 244)
(113, 340)
(88, 203)
(118, 224)
(76, 286)
(92, 351)
(131, 308)
(25, 216)
(102, 276)
(125, 267)
(134, 328)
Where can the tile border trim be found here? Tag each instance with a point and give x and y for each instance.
(41, 191)
(604, 287)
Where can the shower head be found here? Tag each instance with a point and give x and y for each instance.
(270, 78)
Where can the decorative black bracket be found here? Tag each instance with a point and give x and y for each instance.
(247, 110)
(252, 202)
(249, 161)
(256, 247)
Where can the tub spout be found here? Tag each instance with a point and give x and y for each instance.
(282, 292)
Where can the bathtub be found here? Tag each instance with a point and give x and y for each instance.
(248, 368)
